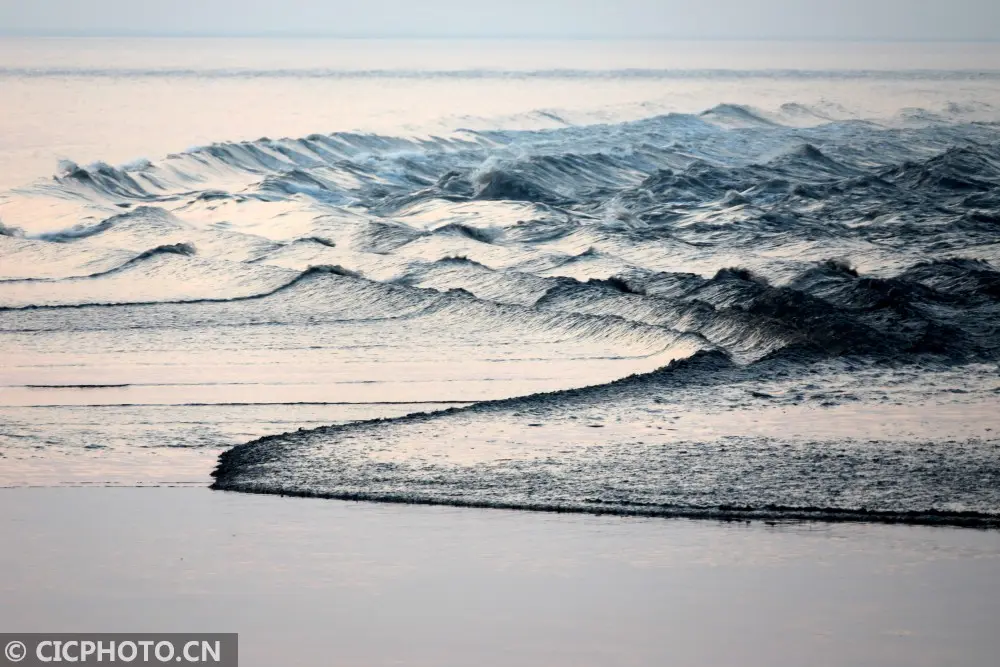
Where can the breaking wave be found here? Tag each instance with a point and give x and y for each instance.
(753, 256)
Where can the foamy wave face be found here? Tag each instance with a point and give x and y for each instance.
(794, 250)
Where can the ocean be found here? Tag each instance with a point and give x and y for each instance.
(715, 313)
(737, 280)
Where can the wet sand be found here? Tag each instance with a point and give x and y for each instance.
(313, 582)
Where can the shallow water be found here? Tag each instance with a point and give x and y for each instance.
(308, 582)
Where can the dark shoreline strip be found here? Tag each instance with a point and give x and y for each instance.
(720, 513)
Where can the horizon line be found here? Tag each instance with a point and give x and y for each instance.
(152, 34)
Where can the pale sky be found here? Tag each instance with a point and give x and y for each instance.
(696, 19)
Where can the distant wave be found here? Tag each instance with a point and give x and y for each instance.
(632, 73)
(184, 249)
(311, 271)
